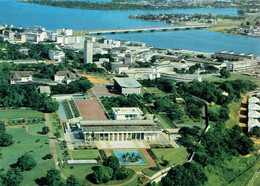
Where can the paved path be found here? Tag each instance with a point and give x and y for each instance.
(52, 145)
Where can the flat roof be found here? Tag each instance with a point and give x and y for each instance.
(127, 110)
(127, 82)
(121, 129)
(116, 122)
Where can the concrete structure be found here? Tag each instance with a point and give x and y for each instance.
(88, 50)
(64, 77)
(119, 67)
(129, 58)
(233, 56)
(56, 56)
(152, 29)
(20, 77)
(65, 32)
(44, 89)
(69, 39)
(128, 113)
(127, 86)
(240, 66)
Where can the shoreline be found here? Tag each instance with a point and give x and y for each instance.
(112, 6)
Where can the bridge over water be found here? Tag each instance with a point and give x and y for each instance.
(150, 29)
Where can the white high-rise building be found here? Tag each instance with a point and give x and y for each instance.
(88, 50)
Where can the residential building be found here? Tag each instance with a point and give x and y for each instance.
(20, 77)
(127, 86)
(128, 113)
(56, 56)
(65, 77)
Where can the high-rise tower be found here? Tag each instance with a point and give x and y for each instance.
(88, 50)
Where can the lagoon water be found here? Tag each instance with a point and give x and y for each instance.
(27, 15)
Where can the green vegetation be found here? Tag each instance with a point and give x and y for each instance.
(19, 113)
(165, 158)
(74, 108)
(56, 125)
(111, 170)
(85, 154)
(93, 5)
(35, 146)
(225, 73)
(25, 96)
(173, 155)
(80, 85)
(179, 18)
(36, 51)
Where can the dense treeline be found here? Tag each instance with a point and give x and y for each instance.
(80, 85)
(92, 5)
(26, 96)
(219, 144)
(36, 51)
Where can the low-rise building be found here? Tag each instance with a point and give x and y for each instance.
(127, 113)
(20, 77)
(56, 56)
(240, 66)
(119, 67)
(233, 56)
(64, 77)
(44, 89)
(127, 86)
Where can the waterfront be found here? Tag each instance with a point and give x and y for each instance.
(27, 15)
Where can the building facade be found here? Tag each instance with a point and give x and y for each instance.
(88, 50)
(127, 86)
(129, 113)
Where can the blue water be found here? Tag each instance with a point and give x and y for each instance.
(119, 154)
(27, 15)
(62, 112)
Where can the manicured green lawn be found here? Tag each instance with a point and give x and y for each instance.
(85, 154)
(173, 155)
(19, 113)
(36, 146)
(80, 171)
(36, 128)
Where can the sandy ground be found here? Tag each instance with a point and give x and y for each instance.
(94, 79)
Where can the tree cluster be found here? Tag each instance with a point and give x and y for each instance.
(26, 96)
(165, 85)
(111, 170)
(186, 174)
(5, 139)
(80, 85)
(36, 51)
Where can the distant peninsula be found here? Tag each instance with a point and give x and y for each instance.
(128, 4)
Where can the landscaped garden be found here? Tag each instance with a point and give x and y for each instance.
(19, 113)
(165, 158)
(71, 109)
(24, 143)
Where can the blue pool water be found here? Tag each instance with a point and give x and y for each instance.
(119, 154)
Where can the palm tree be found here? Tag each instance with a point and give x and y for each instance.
(123, 157)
